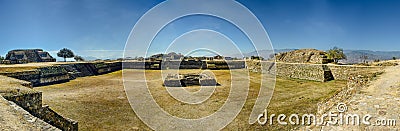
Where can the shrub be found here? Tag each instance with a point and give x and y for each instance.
(79, 58)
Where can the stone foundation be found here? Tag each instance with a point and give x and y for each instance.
(354, 84)
(183, 80)
(343, 72)
(158, 65)
(64, 73)
(31, 101)
(315, 72)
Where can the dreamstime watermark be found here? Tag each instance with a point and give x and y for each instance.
(340, 118)
(148, 27)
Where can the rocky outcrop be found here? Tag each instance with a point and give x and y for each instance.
(303, 56)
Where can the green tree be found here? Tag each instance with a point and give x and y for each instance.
(65, 53)
(394, 58)
(79, 58)
(1, 58)
(336, 54)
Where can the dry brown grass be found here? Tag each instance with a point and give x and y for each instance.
(15, 69)
(100, 103)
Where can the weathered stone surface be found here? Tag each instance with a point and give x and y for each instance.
(31, 101)
(27, 56)
(378, 98)
(190, 64)
(316, 72)
(303, 56)
(63, 73)
(354, 84)
(183, 80)
(14, 117)
(343, 72)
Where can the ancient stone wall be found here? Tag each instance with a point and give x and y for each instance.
(103, 68)
(91, 69)
(22, 120)
(63, 73)
(315, 72)
(52, 74)
(30, 76)
(357, 77)
(226, 65)
(343, 72)
(219, 65)
(53, 118)
(354, 84)
(31, 101)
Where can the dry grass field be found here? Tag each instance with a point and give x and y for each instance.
(100, 103)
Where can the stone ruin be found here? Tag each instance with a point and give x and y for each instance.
(27, 56)
(184, 80)
(303, 56)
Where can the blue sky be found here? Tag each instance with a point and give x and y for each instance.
(100, 28)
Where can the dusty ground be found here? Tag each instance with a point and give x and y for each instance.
(100, 102)
(380, 99)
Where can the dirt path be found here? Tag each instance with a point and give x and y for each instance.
(381, 100)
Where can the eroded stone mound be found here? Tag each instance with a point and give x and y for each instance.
(303, 56)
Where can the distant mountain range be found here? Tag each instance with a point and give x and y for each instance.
(353, 56)
(90, 58)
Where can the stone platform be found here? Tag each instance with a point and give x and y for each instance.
(183, 80)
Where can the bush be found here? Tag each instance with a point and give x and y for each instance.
(79, 58)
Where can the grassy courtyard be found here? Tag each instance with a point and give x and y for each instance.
(100, 103)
